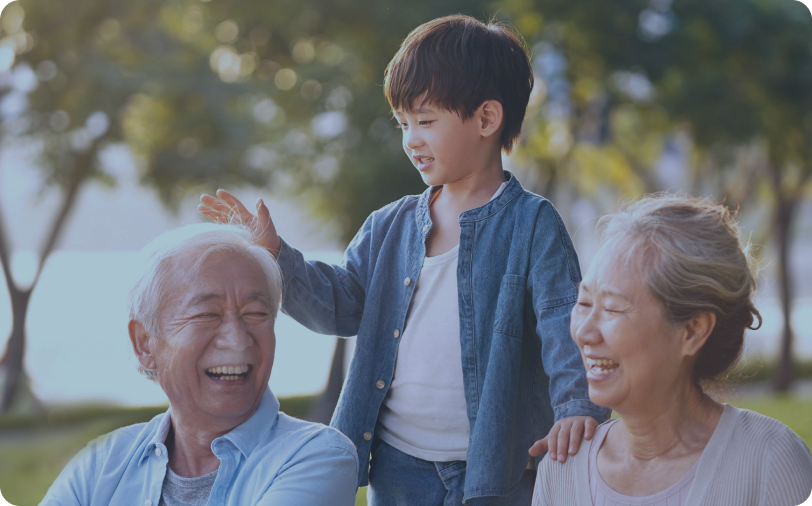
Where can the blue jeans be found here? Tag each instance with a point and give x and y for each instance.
(398, 479)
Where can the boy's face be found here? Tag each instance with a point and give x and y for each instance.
(443, 147)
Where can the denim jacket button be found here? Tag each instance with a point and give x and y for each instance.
(397, 333)
(380, 384)
(407, 281)
(425, 228)
(367, 436)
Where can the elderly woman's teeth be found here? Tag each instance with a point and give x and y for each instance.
(601, 365)
(228, 372)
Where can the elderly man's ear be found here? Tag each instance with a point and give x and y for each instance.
(140, 341)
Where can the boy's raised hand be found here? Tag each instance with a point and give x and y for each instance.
(566, 433)
(226, 208)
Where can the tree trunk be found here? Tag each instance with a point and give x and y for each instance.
(783, 227)
(322, 410)
(12, 362)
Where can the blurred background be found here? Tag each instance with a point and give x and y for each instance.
(115, 116)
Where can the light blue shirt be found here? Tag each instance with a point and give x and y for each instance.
(270, 459)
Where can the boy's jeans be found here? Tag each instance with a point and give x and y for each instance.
(398, 479)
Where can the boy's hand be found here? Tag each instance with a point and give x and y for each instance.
(565, 433)
(227, 209)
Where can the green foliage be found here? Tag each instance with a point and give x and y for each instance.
(727, 73)
(279, 94)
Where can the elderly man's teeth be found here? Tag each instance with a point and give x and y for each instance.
(228, 372)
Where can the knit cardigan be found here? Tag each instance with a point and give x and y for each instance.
(750, 460)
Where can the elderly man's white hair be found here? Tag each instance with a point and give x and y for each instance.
(202, 239)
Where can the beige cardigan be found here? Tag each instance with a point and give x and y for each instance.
(750, 460)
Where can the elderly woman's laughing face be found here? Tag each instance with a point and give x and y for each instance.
(215, 351)
(631, 354)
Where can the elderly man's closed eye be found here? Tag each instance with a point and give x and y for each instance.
(202, 326)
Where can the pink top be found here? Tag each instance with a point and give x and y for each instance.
(604, 495)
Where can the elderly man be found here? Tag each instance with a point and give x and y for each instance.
(202, 326)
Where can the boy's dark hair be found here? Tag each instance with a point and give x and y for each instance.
(460, 62)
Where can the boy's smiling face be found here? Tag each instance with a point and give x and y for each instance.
(443, 147)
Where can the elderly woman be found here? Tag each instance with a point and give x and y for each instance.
(202, 326)
(661, 311)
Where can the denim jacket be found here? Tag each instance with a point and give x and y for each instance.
(517, 277)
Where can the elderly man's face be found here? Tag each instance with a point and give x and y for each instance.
(216, 349)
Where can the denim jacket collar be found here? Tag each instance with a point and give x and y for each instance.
(423, 217)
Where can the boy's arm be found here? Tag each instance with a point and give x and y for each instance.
(325, 298)
(554, 278)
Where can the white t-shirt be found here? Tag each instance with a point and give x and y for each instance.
(424, 413)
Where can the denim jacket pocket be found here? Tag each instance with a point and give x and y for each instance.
(510, 306)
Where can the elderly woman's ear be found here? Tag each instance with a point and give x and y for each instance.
(696, 332)
(140, 341)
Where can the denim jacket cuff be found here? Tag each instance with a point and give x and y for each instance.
(582, 407)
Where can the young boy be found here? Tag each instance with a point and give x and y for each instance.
(460, 297)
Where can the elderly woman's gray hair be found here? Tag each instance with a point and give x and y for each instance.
(202, 240)
(693, 261)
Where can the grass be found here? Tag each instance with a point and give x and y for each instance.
(36, 447)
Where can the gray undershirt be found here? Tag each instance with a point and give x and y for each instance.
(180, 491)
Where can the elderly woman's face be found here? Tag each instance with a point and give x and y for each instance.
(631, 353)
(216, 349)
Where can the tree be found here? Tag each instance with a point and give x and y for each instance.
(107, 72)
(733, 74)
(209, 93)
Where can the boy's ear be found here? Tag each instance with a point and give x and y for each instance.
(490, 116)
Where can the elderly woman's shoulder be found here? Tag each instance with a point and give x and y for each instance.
(747, 424)
(563, 483)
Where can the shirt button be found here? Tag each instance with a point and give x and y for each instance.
(367, 436)
(158, 451)
(380, 384)
(397, 333)
(407, 281)
(148, 503)
(425, 228)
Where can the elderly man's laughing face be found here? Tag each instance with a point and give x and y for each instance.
(215, 350)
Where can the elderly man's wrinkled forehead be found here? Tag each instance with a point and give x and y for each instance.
(192, 276)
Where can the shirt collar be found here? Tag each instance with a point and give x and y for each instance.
(244, 436)
(510, 189)
(164, 422)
